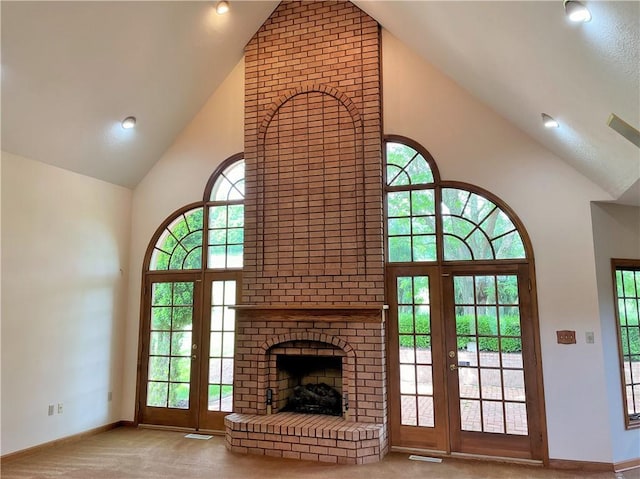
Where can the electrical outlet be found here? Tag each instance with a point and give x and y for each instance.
(566, 337)
(589, 337)
(60, 408)
(110, 396)
(50, 410)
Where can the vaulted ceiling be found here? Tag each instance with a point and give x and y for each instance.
(71, 71)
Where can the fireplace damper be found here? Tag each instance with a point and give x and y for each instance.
(310, 384)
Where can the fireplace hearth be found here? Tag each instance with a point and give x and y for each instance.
(282, 348)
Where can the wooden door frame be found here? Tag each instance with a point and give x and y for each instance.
(467, 442)
(436, 438)
(535, 399)
(177, 415)
(212, 420)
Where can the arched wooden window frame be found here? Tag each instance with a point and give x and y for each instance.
(202, 273)
(439, 266)
(205, 203)
(437, 186)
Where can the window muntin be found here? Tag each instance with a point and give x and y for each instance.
(414, 339)
(627, 306)
(225, 247)
(169, 371)
(229, 185)
(475, 228)
(411, 229)
(406, 166)
(180, 244)
(226, 236)
(491, 368)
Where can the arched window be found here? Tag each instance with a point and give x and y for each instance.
(462, 321)
(187, 353)
(475, 228)
(426, 215)
(180, 243)
(226, 218)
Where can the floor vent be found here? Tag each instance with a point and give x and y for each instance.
(413, 457)
(198, 436)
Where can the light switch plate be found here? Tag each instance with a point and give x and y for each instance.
(589, 337)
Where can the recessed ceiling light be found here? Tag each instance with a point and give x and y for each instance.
(222, 7)
(549, 122)
(576, 11)
(129, 122)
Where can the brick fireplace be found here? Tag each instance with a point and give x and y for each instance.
(313, 283)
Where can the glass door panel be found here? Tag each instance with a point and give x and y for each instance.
(488, 365)
(220, 384)
(170, 355)
(414, 328)
(417, 415)
(220, 326)
(489, 343)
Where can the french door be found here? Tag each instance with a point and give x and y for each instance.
(188, 335)
(463, 373)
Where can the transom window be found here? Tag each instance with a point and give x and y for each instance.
(432, 220)
(180, 243)
(226, 219)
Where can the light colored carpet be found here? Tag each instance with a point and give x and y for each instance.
(128, 453)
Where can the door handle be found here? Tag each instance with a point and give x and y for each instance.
(453, 367)
(193, 358)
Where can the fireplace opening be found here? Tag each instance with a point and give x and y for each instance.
(310, 384)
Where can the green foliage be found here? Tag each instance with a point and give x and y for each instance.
(402, 157)
(421, 327)
(509, 325)
(488, 340)
(171, 320)
(627, 291)
(630, 338)
(180, 246)
(486, 230)
(473, 226)
(411, 225)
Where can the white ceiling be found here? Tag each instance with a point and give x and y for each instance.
(72, 70)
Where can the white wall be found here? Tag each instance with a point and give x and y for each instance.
(64, 242)
(616, 233)
(472, 143)
(179, 178)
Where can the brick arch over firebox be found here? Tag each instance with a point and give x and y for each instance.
(310, 343)
(308, 336)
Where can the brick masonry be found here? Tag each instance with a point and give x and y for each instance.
(313, 267)
(303, 436)
(313, 152)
